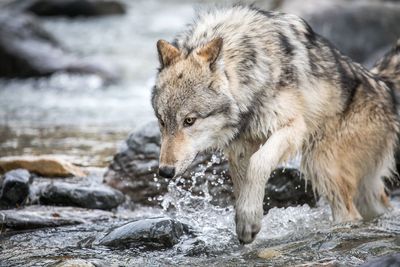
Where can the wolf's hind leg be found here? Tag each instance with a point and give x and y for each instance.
(342, 204)
(340, 193)
(336, 180)
(371, 199)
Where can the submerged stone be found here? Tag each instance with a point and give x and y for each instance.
(91, 197)
(15, 188)
(152, 232)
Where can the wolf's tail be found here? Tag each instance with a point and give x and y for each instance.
(388, 68)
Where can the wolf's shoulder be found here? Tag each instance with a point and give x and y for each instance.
(236, 22)
(241, 14)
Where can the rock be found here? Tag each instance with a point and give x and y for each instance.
(152, 233)
(19, 220)
(268, 253)
(77, 195)
(48, 166)
(359, 29)
(286, 187)
(28, 50)
(35, 216)
(75, 8)
(134, 170)
(384, 261)
(15, 188)
(193, 247)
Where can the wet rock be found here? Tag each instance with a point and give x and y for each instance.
(268, 253)
(19, 220)
(28, 50)
(152, 233)
(385, 261)
(76, 8)
(287, 187)
(360, 29)
(193, 247)
(15, 188)
(77, 195)
(33, 217)
(48, 166)
(134, 171)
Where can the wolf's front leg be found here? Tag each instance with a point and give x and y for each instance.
(249, 199)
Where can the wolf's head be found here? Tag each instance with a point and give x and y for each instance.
(192, 103)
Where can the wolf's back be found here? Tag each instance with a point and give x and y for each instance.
(388, 68)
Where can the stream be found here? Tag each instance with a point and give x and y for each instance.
(84, 120)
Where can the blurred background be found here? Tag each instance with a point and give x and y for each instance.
(75, 76)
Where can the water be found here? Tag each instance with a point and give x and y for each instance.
(83, 119)
(296, 235)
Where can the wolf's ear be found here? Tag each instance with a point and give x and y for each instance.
(210, 52)
(167, 53)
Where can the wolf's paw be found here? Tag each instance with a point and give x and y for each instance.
(248, 224)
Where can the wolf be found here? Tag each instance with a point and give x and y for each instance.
(262, 86)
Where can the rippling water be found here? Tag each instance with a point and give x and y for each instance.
(296, 236)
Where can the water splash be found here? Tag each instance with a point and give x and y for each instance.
(214, 226)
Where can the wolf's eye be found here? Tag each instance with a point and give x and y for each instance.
(189, 121)
(161, 123)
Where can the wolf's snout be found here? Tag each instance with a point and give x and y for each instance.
(166, 171)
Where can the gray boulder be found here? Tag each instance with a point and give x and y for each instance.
(78, 195)
(14, 188)
(152, 233)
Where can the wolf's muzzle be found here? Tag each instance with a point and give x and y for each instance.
(166, 171)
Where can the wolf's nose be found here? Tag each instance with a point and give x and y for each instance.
(166, 171)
